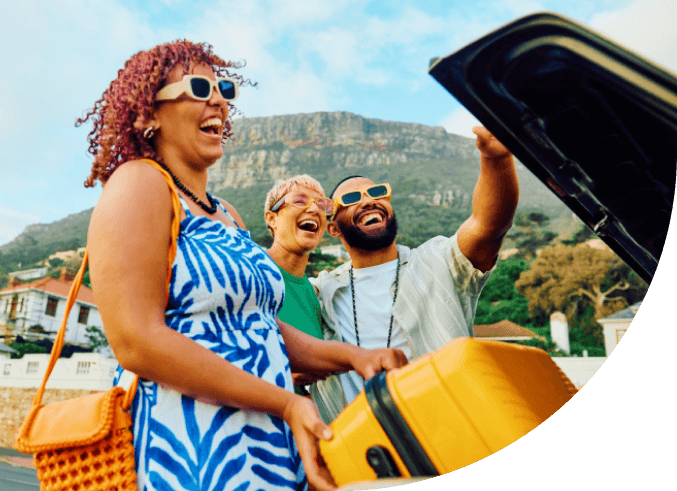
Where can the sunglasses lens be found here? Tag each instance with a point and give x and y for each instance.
(200, 87)
(326, 205)
(300, 200)
(351, 198)
(377, 191)
(227, 89)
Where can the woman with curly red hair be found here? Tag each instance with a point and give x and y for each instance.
(215, 407)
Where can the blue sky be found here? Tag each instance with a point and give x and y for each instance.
(369, 58)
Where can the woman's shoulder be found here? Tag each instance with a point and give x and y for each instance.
(134, 170)
(135, 202)
(136, 184)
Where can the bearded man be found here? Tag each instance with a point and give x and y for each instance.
(418, 299)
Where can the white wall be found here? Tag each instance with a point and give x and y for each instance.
(579, 369)
(336, 250)
(29, 274)
(64, 376)
(98, 374)
(614, 329)
(101, 371)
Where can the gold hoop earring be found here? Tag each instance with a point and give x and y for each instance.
(148, 133)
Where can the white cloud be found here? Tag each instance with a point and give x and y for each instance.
(54, 76)
(646, 27)
(409, 27)
(518, 8)
(304, 13)
(307, 55)
(460, 122)
(59, 58)
(285, 86)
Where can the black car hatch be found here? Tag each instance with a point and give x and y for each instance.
(593, 121)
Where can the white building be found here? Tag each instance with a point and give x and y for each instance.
(6, 352)
(336, 250)
(34, 310)
(28, 274)
(89, 371)
(616, 325)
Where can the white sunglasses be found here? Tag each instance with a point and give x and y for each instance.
(199, 87)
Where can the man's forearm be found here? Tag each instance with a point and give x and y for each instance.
(495, 196)
(307, 353)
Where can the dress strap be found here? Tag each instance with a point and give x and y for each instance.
(218, 203)
(223, 208)
(185, 206)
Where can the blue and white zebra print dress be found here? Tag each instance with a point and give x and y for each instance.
(225, 293)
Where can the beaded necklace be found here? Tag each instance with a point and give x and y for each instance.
(209, 209)
(352, 289)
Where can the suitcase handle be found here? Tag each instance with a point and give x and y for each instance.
(396, 428)
(382, 462)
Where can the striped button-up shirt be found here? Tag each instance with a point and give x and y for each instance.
(438, 293)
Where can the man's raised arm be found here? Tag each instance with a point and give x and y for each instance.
(493, 203)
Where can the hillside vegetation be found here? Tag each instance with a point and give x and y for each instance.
(432, 174)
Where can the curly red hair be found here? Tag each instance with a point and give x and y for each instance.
(120, 116)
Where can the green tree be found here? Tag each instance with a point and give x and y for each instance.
(500, 300)
(318, 262)
(515, 310)
(71, 265)
(569, 279)
(25, 348)
(55, 262)
(584, 234)
(539, 218)
(501, 284)
(529, 233)
(96, 337)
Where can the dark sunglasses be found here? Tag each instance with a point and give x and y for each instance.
(303, 201)
(374, 191)
(199, 87)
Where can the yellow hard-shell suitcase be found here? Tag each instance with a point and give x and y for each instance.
(445, 410)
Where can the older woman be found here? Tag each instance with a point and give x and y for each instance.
(214, 408)
(296, 212)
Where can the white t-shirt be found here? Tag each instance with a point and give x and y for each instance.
(374, 306)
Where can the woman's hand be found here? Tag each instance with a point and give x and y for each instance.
(304, 421)
(306, 378)
(311, 355)
(369, 362)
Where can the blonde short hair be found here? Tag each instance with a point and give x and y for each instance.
(284, 187)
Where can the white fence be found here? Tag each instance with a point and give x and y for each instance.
(579, 369)
(89, 371)
(95, 372)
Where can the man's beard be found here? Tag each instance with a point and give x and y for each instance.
(370, 242)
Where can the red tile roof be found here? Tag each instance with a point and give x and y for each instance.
(503, 329)
(53, 286)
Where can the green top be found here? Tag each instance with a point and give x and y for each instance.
(301, 309)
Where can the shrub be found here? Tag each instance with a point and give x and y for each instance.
(27, 348)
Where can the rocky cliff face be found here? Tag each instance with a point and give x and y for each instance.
(277, 147)
(432, 173)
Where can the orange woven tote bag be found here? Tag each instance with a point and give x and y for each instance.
(86, 443)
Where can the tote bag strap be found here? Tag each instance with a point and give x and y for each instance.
(75, 288)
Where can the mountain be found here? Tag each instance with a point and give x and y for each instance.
(432, 174)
